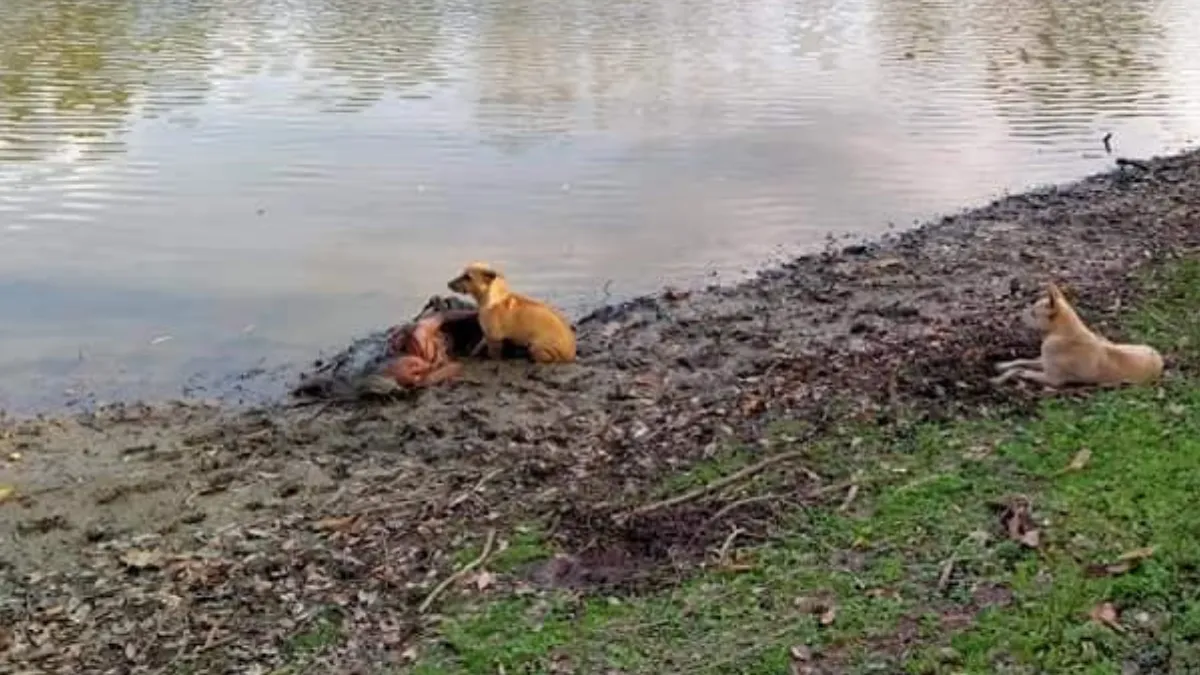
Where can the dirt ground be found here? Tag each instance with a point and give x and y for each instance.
(182, 537)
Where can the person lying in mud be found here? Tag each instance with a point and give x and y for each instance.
(421, 351)
(418, 354)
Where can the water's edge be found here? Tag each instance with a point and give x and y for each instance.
(265, 389)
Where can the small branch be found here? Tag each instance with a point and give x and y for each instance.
(850, 495)
(433, 595)
(740, 503)
(715, 485)
(723, 554)
(947, 570)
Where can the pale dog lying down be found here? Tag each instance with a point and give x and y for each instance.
(1073, 354)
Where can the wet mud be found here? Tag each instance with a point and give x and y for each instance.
(141, 537)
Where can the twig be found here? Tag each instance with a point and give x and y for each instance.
(1108, 142)
(740, 503)
(947, 570)
(723, 554)
(715, 485)
(433, 595)
(850, 495)
(479, 486)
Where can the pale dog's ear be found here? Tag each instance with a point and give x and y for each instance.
(1055, 294)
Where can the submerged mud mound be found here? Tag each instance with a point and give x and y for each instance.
(271, 524)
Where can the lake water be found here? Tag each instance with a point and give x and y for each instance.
(200, 186)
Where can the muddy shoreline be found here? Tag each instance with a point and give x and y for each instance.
(146, 536)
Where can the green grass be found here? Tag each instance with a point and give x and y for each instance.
(925, 505)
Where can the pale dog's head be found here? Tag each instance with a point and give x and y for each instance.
(1048, 311)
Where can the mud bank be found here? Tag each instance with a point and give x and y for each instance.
(193, 538)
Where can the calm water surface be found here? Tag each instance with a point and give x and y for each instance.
(206, 185)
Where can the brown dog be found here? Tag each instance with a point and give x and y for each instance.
(1073, 354)
(505, 315)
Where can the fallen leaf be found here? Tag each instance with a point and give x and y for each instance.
(1018, 523)
(6, 492)
(1080, 460)
(829, 615)
(801, 661)
(1137, 554)
(1128, 561)
(484, 580)
(141, 559)
(409, 654)
(753, 405)
(337, 524)
(1106, 615)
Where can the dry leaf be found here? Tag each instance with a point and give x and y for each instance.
(829, 615)
(1128, 561)
(337, 524)
(484, 580)
(1137, 554)
(801, 653)
(1106, 615)
(6, 492)
(141, 559)
(1018, 522)
(1080, 460)
(752, 405)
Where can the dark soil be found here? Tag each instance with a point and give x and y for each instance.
(190, 538)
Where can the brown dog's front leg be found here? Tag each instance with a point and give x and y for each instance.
(495, 348)
(478, 349)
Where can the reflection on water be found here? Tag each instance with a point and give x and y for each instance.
(257, 179)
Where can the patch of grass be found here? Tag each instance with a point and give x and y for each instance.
(323, 631)
(1168, 318)
(918, 567)
(526, 545)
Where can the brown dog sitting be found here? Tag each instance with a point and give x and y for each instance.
(1073, 354)
(507, 316)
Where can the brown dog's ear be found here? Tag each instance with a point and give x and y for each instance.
(488, 275)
